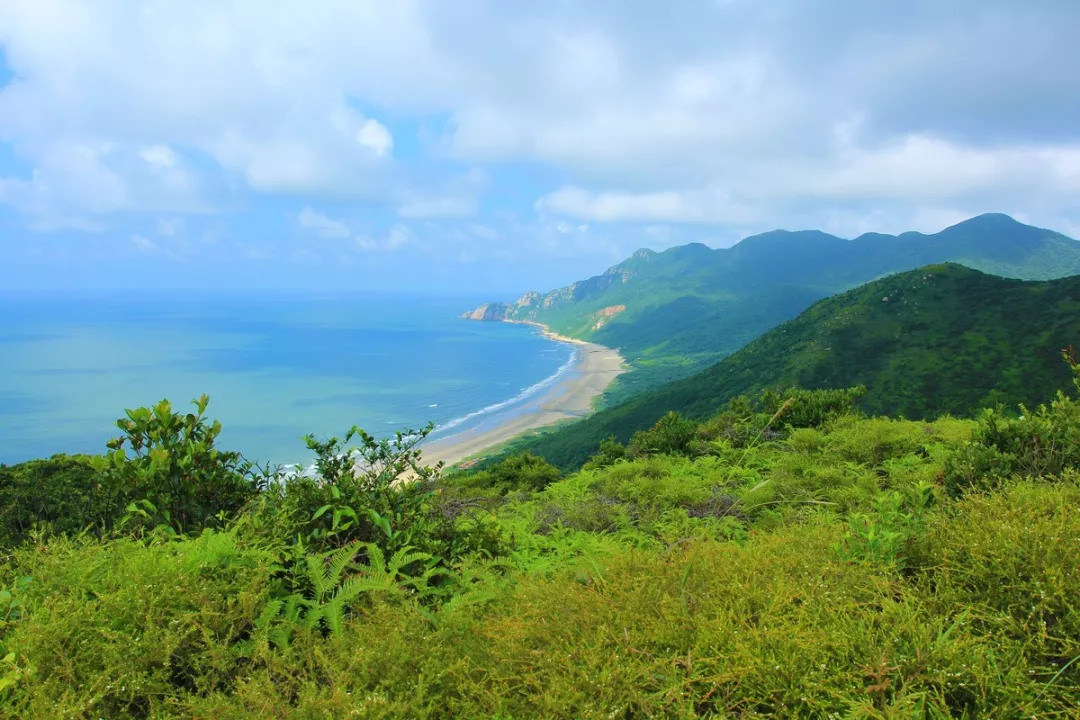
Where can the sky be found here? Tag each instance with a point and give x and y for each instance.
(503, 145)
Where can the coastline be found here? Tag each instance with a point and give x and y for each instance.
(593, 370)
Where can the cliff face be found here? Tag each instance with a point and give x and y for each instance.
(532, 304)
(524, 308)
(488, 311)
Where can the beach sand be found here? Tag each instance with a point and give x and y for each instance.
(594, 368)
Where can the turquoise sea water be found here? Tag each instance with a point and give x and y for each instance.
(276, 367)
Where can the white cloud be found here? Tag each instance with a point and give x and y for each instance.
(395, 238)
(920, 171)
(143, 244)
(667, 206)
(729, 112)
(159, 156)
(322, 225)
(399, 236)
(58, 223)
(374, 135)
(262, 91)
(925, 168)
(169, 227)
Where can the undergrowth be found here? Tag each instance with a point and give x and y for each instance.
(787, 558)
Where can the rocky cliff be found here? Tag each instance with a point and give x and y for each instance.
(533, 305)
(488, 311)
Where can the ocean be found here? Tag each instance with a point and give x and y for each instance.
(276, 367)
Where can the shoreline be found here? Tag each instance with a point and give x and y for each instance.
(593, 370)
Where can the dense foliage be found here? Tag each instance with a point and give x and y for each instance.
(690, 306)
(786, 557)
(940, 340)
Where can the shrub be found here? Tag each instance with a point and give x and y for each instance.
(610, 452)
(376, 491)
(811, 408)
(1040, 444)
(176, 475)
(882, 537)
(61, 494)
(671, 435)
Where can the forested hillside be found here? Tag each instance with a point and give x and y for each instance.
(675, 312)
(942, 339)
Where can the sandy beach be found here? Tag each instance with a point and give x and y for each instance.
(595, 366)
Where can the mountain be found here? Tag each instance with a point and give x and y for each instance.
(941, 339)
(674, 312)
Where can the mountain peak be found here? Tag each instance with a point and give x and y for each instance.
(693, 249)
(988, 221)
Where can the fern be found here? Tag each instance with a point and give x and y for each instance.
(333, 593)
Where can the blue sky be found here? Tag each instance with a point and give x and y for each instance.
(497, 146)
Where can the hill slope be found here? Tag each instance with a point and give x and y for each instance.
(675, 312)
(942, 339)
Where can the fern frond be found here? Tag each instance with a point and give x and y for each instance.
(269, 612)
(243, 648)
(354, 586)
(280, 636)
(334, 614)
(292, 609)
(376, 558)
(313, 616)
(405, 557)
(314, 573)
(338, 560)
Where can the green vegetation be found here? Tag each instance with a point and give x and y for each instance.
(940, 340)
(684, 309)
(786, 557)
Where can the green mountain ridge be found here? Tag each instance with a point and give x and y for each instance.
(674, 312)
(944, 339)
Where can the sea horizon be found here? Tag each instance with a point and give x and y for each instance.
(277, 365)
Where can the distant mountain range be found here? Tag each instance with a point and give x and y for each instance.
(940, 339)
(674, 312)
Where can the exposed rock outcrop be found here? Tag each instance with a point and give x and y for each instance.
(488, 311)
(532, 305)
(529, 299)
(605, 314)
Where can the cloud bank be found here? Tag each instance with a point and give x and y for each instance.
(718, 118)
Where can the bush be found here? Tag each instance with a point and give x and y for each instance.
(62, 494)
(671, 435)
(611, 451)
(176, 477)
(525, 473)
(1041, 444)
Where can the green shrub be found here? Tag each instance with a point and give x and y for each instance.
(758, 565)
(610, 452)
(176, 476)
(882, 537)
(62, 494)
(1044, 443)
(525, 472)
(811, 408)
(671, 435)
(376, 491)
